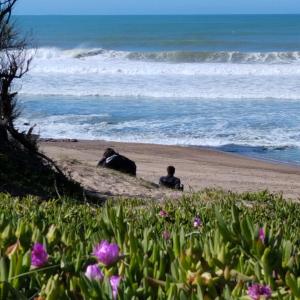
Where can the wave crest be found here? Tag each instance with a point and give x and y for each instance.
(217, 57)
(176, 56)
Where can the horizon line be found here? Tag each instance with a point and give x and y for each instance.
(185, 14)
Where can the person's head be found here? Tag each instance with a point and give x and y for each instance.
(171, 170)
(109, 152)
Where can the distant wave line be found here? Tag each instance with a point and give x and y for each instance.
(159, 96)
(175, 56)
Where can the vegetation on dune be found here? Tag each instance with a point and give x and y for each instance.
(22, 174)
(209, 245)
(23, 169)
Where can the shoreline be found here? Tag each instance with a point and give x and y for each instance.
(209, 148)
(253, 157)
(198, 167)
(201, 148)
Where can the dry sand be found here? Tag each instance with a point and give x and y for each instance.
(197, 168)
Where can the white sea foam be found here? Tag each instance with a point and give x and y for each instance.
(99, 72)
(103, 73)
(162, 132)
(174, 56)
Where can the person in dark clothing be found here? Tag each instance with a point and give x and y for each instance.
(170, 181)
(113, 160)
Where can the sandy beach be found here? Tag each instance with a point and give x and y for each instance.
(198, 168)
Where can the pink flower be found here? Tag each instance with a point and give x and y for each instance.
(114, 283)
(262, 234)
(259, 291)
(39, 255)
(166, 235)
(163, 214)
(93, 272)
(197, 222)
(106, 253)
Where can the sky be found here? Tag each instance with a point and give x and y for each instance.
(132, 7)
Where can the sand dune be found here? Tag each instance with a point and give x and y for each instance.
(197, 168)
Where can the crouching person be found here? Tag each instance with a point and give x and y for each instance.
(170, 181)
(113, 160)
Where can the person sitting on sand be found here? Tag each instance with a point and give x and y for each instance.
(113, 160)
(170, 181)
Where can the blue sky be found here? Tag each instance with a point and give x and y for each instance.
(156, 6)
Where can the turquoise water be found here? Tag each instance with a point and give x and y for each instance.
(230, 82)
(165, 33)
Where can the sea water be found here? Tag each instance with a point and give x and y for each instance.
(230, 82)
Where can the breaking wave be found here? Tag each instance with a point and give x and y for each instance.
(210, 75)
(218, 57)
(177, 56)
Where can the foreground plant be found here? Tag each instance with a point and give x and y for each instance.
(230, 255)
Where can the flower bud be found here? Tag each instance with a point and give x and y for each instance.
(39, 255)
(106, 253)
(206, 278)
(93, 272)
(52, 234)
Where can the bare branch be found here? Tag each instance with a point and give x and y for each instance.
(14, 64)
(6, 9)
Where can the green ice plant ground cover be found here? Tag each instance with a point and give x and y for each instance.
(210, 245)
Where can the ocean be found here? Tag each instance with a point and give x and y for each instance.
(227, 82)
